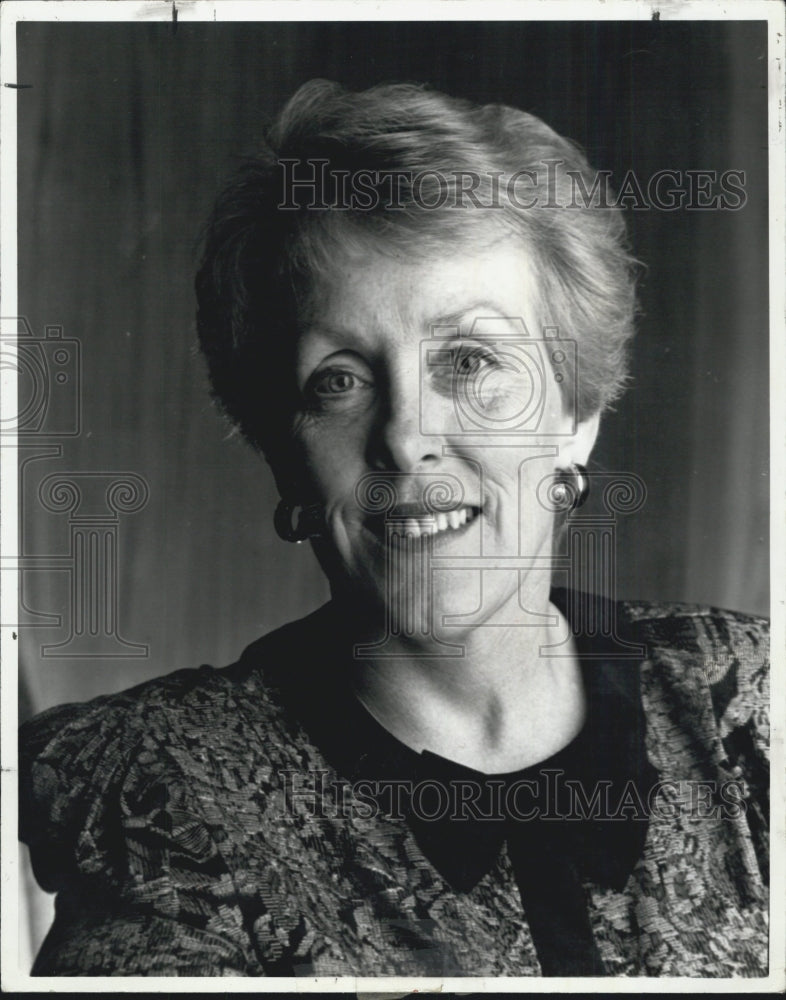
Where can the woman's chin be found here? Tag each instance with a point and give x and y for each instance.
(443, 608)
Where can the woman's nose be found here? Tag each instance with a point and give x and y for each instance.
(399, 442)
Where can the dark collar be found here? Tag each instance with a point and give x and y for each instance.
(589, 802)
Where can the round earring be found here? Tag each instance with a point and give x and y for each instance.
(307, 526)
(572, 488)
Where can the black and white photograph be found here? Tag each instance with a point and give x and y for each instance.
(392, 496)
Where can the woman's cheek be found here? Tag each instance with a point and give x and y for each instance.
(335, 463)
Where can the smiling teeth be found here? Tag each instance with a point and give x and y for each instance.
(451, 520)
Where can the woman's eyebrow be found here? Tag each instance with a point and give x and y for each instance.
(330, 332)
(450, 319)
(456, 318)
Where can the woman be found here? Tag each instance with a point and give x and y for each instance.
(417, 310)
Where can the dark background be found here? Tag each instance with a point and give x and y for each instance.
(126, 133)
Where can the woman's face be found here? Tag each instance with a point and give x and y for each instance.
(418, 373)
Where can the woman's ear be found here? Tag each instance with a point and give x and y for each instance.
(578, 447)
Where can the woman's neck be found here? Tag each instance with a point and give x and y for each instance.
(500, 706)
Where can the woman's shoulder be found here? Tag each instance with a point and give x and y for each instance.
(718, 642)
(719, 625)
(203, 691)
(705, 662)
(83, 767)
(677, 644)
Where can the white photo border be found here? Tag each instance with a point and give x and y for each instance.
(771, 11)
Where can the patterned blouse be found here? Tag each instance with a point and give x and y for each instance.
(256, 821)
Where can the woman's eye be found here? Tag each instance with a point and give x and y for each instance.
(334, 384)
(468, 362)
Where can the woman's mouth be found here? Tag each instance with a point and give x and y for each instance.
(403, 523)
(437, 523)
